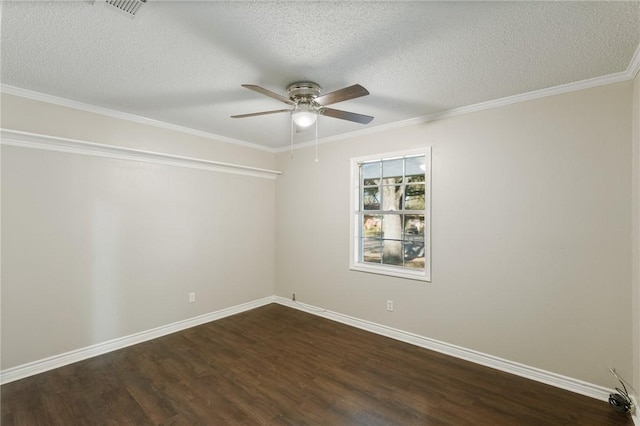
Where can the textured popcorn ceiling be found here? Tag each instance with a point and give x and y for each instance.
(183, 62)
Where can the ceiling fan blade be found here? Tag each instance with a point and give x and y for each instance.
(345, 115)
(253, 114)
(345, 94)
(268, 93)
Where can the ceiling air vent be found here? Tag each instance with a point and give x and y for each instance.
(128, 7)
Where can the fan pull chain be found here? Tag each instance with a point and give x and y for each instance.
(291, 135)
(317, 119)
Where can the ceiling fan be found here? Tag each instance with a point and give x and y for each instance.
(307, 103)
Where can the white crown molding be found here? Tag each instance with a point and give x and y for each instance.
(532, 373)
(632, 70)
(50, 143)
(37, 367)
(37, 96)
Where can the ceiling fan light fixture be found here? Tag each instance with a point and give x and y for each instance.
(304, 115)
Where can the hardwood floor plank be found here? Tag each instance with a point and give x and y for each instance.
(279, 366)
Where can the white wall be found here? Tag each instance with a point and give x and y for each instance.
(99, 248)
(530, 235)
(636, 232)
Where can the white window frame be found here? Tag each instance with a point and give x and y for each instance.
(354, 247)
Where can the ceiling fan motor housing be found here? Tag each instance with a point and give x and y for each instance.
(304, 91)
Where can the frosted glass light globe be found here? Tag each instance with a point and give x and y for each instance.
(304, 116)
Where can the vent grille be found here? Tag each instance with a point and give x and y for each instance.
(130, 7)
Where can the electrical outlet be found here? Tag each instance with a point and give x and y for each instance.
(192, 297)
(293, 297)
(390, 305)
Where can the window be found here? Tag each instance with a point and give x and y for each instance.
(390, 214)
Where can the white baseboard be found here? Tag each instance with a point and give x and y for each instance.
(56, 361)
(553, 379)
(547, 377)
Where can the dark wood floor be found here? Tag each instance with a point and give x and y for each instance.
(276, 365)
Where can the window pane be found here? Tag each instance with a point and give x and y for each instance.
(392, 252)
(414, 247)
(371, 250)
(391, 197)
(371, 182)
(414, 226)
(414, 254)
(372, 226)
(393, 170)
(370, 173)
(414, 241)
(392, 226)
(371, 198)
(415, 166)
(414, 197)
(392, 243)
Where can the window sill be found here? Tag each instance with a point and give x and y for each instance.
(391, 271)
